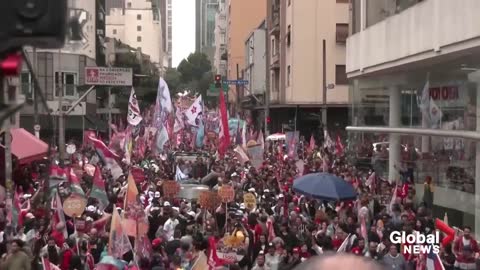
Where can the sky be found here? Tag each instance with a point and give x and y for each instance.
(183, 29)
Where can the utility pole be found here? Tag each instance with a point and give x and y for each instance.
(109, 113)
(238, 89)
(324, 86)
(267, 79)
(61, 123)
(36, 124)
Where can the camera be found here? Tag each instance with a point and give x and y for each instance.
(38, 23)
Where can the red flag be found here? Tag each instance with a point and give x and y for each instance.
(98, 188)
(46, 264)
(224, 134)
(311, 146)
(339, 146)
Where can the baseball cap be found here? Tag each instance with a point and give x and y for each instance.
(166, 204)
(156, 242)
(157, 194)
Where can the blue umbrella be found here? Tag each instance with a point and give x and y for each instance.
(324, 186)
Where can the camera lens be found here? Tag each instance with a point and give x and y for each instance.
(31, 9)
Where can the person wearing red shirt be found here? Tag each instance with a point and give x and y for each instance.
(67, 255)
(359, 248)
(57, 234)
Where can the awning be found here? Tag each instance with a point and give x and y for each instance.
(26, 147)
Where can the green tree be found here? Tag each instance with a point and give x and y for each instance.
(195, 73)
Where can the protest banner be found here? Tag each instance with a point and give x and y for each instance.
(226, 193)
(170, 188)
(74, 206)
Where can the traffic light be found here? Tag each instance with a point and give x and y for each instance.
(218, 81)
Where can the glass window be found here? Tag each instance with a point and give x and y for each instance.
(129, 4)
(114, 31)
(341, 32)
(26, 84)
(139, 38)
(65, 82)
(340, 75)
(139, 16)
(139, 28)
(288, 75)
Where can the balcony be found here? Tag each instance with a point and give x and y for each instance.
(275, 61)
(275, 30)
(422, 31)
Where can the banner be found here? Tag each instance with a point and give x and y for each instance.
(291, 139)
(163, 107)
(256, 155)
(133, 117)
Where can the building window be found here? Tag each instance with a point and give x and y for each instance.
(342, 32)
(274, 48)
(139, 39)
(114, 31)
(290, 2)
(343, 1)
(340, 75)
(289, 30)
(129, 4)
(289, 72)
(65, 82)
(139, 28)
(139, 16)
(27, 85)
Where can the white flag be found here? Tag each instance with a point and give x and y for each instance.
(435, 114)
(194, 110)
(179, 175)
(134, 118)
(179, 124)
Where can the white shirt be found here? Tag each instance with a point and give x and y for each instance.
(169, 228)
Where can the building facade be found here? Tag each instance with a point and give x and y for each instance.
(220, 55)
(398, 53)
(165, 7)
(255, 72)
(238, 30)
(60, 72)
(206, 11)
(138, 25)
(299, 32)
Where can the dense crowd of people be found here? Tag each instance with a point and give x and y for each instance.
(280, 231)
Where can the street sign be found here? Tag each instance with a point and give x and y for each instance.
(108, 76)
(236, 82)
(214, 92)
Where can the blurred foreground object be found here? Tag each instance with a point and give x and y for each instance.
(38, 23)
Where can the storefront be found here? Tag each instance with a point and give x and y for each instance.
(394, 100)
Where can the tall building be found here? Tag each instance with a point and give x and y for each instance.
(220, 55)
(138, 25)
(205, 13)
(255, 72)
(165, 7)
(242, 17)
(397, 52)
(298, 31)
(61, 72)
